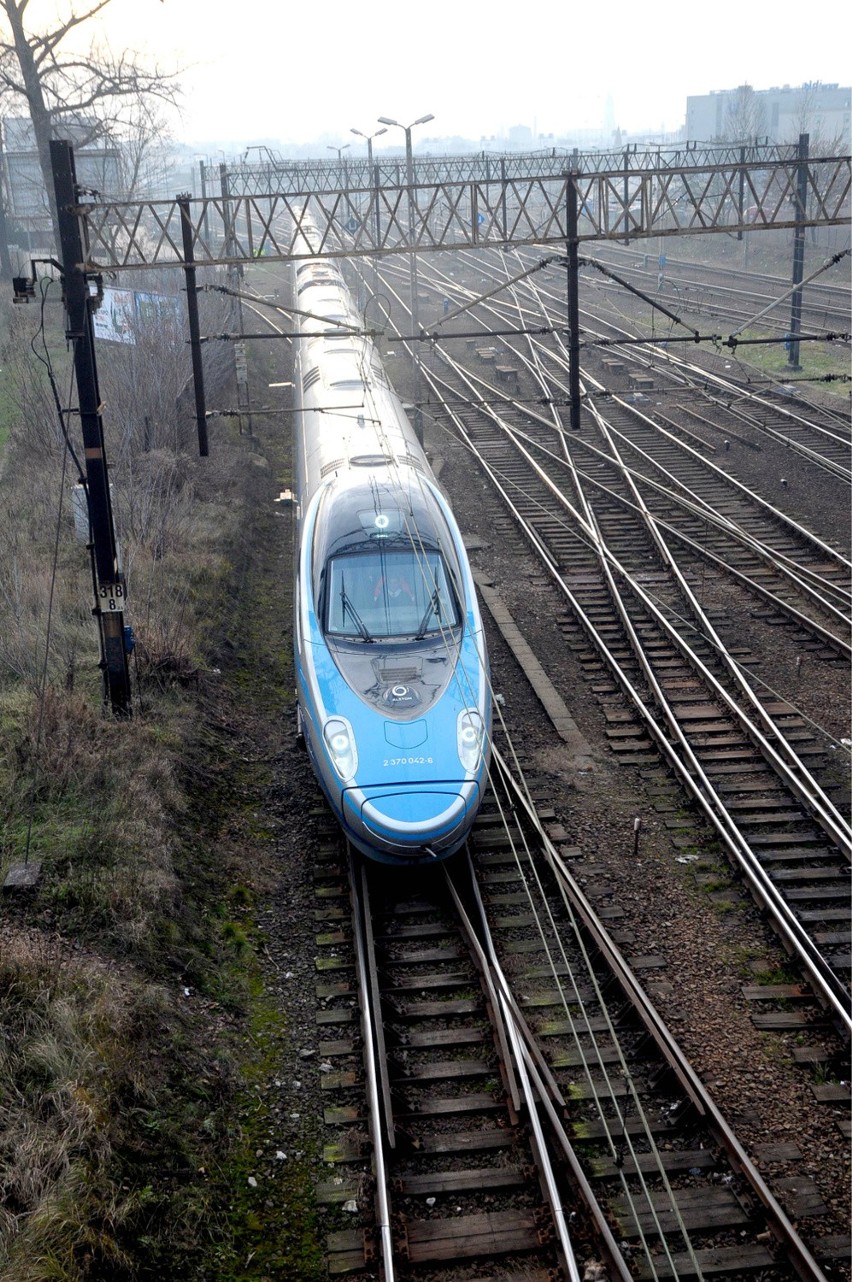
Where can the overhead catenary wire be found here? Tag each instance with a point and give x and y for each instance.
(477, 392)
(48, 632)
(831, 262)
(705, 793)
(803, 945)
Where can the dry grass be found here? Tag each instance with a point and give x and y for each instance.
(77, 1099)
(96, 801)
(114, 1088)
(51, 1011)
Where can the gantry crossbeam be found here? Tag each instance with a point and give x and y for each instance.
(291, 177)
(430, 216)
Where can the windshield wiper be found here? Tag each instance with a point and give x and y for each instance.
(353, 613)
(434, 607)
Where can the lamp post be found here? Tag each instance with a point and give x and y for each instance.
(342, 166)
(412, 262)
(368, 138)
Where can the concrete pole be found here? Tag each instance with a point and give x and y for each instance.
(798, 252)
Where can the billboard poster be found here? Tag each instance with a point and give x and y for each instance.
(122, 310)
(151, 308)
(113, 320)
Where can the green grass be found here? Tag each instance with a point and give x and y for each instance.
(715, 884)
(269, 1228)
(816, 360)
(774, 976)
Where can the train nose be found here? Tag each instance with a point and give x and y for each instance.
(409, 819)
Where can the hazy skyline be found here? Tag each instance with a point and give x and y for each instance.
(298, 73)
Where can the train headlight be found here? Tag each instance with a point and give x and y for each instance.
(470, 732)
(340, 742)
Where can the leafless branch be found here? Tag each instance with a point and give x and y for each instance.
(99, 93)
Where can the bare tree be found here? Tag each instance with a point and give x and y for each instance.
(145, 157)
(98, 93)
(808, 118)
(745, 118)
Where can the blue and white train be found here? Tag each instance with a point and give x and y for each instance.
(393, 690)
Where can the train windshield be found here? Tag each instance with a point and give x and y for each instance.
(372, 595)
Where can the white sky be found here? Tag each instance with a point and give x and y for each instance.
(300, 71)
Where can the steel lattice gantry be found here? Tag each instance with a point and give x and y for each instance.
(299, 176)
(449, 214)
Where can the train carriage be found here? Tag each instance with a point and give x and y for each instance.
(393, 691)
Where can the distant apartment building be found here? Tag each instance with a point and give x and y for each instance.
(780, 114)
(520, 138)
(97, 164)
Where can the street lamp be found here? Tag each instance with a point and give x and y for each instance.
(368, 138)
(412, 268)
(342, 166)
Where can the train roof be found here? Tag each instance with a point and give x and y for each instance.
(390, 508)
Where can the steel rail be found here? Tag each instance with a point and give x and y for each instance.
(697, 371)
(795, 772)
(801, 576)
(492, 973)
(832, 262)
(690, 373)
(580, 1025)
(550, 1099)
(545, 1166)
(802, 1262)
(790, 442)
(734, 273)
(529, 1060)
(778, 561)
(720, 292)
(794, 762)
(778, 513)
(801, 1259)
(669, 358)
(514, 1057)
(488, 980)
(823, 979)
(805, 621)
(806, 580)
(815, 457)
(376, 1060)
(728, 300)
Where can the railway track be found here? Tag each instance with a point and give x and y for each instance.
(736, 293)
(731, 404)
(674, 691)
(743, 756)
(455, 1168)
(455, 1019)
(713, 516)
(530, 1116)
